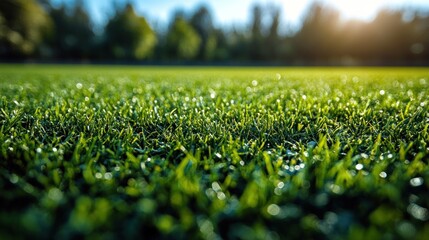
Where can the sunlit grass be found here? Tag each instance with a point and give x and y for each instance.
(177, 152)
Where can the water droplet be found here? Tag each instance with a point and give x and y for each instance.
(255, 83)
(359, 166)
(14, 178)
(216, 186)
(79, 85)
(278, 76)
(98, 175)
(418, 212)
(38, 150)
(335, 188)
(54, 149)
(86, 99)
(242, 163)
(55, 194)
(273, 209)
(417, 181)
(221, 195)
(382, 92)
(218, 155)
(280, 184)
(108, 176)
(383, 174)
(304, 97)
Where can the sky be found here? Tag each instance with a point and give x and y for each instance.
(228, 12)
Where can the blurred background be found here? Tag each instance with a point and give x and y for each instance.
(222, 32)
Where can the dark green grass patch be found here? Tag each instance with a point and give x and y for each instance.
(235, 153)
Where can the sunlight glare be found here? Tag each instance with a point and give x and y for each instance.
(360, 10)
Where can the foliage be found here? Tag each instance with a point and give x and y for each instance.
(129, 36)
(23, 25)
(72, 36)
(183, 42)
(393, 37)
(239, 153)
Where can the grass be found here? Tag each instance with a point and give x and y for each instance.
(239, 153)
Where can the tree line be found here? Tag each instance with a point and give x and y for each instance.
(31, 29)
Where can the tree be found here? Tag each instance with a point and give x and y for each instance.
(129, 36)
(183, 42)
(318, 37)
(23, 26)
(273, 44)
(73, 36)
(202, 22)
(256, 29)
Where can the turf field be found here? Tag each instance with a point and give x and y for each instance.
(107, 152)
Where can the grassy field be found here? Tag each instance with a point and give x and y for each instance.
(107, 152)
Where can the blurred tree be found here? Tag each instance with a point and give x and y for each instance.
(23, 26)
(318, 37)
(256, 42)
(273, 43)
(202, 22)
(391, 38)
(129, 36)
(419, 42)
(182, 41)
(73, 36)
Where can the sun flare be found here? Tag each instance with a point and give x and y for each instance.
(356, 9)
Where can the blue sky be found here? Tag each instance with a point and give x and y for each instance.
(227, 12)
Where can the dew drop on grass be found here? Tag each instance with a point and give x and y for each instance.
(79, 85)
(273, 209)
(280, 185)
(242, 163)
(98, 175)
(108, 176)
(255, 83)
(216, 186)
(55, 194)
(383, 174)
(382, 92)
(221, 195)
(417, 181)
(54, 149)
(38, 150)
(359, 166)
(278, 76)
(418, 212)
(13, 178)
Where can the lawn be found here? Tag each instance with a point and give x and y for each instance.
(107, 152)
